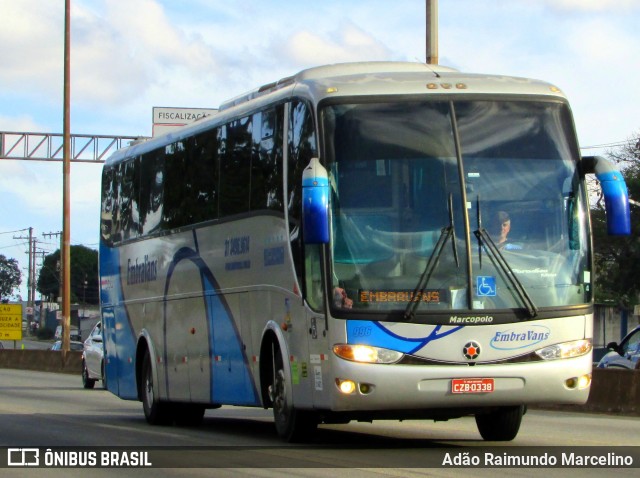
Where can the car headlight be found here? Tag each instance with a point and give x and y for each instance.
(366, 353)
(575, 348)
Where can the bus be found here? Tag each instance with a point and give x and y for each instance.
(357, 242)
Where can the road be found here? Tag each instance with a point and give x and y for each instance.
(53, 410)
(27, 343)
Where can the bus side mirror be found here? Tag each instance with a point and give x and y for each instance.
(315, 203)
(616, 196)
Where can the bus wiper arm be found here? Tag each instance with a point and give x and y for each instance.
(445, 234)
(453, 231)
(499, 259)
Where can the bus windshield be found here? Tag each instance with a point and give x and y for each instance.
(456, 205)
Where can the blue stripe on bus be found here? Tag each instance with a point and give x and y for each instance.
(231, 378)
(119, 338)
(232, 381)
(373, 333)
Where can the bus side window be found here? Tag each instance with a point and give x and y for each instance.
(301, 143)
(313, 277)
(202, 176)
(108, 206)
(235, 168)
(127, 211)
(175, 213)
(266, 160)
(151, 191)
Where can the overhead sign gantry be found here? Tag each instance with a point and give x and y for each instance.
(85, 148)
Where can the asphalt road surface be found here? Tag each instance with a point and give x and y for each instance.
(53, 410)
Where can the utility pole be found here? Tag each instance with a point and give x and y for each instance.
(57, 234)
(30, 275)
(42, 254)
(432, 32)
(66, 168)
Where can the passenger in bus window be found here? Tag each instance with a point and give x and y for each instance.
(341, 299)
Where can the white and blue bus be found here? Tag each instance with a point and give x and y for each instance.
(356, 242)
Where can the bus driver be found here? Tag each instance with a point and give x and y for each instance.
(500, 228)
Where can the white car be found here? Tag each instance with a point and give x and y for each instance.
(626, 355)
(93, 358)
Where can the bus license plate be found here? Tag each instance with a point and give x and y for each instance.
(472, 385)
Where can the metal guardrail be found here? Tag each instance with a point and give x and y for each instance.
(85, 148)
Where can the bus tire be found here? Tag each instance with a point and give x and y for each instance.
(502, 424)
(86, 381)
(292, 425)
(155, 411)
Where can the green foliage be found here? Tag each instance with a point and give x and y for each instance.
(617, 259)
(84, 268)
(10, 277)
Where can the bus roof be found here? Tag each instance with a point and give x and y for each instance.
(359, 79)
(376, 78)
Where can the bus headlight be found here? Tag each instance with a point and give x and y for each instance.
(564, 350)
(366, 353)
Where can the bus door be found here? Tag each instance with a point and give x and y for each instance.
(316, 325)
(318, 365)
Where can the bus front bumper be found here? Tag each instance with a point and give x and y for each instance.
(415, 387)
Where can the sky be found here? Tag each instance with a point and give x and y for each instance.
(127, 57)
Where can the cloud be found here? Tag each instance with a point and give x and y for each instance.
(594, 5)
(116, 54)
(36, 185)
(349, 43)
(19, 123)
(122, 56)
(32, 47)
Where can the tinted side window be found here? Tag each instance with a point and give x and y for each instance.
(235, 168)
(176, 189)
(151, 191)
(108, 205)
(302, 147)
(202, 175)
(128, 191)
(266, 165)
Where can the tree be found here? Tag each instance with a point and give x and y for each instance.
(84, 268)
(10, 277)
(617, 259)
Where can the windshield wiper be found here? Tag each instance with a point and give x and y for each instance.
(446, 234)
(499, 259)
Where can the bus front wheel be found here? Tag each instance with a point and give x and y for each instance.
(155, 411)
(291, 424)
(502, 424)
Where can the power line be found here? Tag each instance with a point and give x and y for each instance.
(13, 232)
(15, 245)
(606, 145)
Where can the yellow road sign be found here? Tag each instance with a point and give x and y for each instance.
(11, 321)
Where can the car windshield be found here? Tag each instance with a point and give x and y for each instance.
(463, 205)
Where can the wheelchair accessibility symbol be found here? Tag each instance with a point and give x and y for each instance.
(486, 286)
